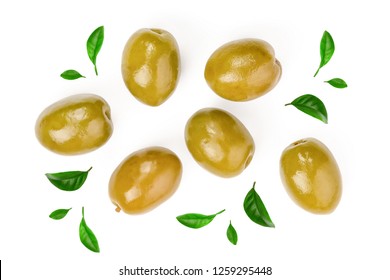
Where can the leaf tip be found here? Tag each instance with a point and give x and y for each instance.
(96, 249)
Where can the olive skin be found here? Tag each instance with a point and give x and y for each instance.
(151, 65)
(144, 180)
(75, 125)
(311, 176)
(243, 70)
(219, 142)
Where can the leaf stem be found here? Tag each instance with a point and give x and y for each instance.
(96, 72)
(220, 212)
(317, 71)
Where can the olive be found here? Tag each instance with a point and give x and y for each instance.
(242, 70)
(75, 125)
(151, 65)
(219, 142)
(311, 176)
(144, 180)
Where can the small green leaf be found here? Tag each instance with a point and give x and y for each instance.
(312, 106)
(71, 75)
(94, 44)
(255, 209)
(326, 50)
(194, 220)
(87, 237)
(337, 83)
(59, 214)
(69, 180)
(231, 234)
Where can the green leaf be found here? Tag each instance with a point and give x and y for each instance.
(94, 44)
(71, 75)
(312, 106)
(69, 180)
(337, 83)
(194, 220)
(326, 50)
(255, 209)
(231, 234)
(59, 214)
(87, 237)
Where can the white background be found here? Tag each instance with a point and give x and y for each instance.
(40, 39)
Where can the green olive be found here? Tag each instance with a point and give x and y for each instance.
(219, 142)
(75, 125)
(151, 65)
(144, 180)
(311, 176)
(242, 70)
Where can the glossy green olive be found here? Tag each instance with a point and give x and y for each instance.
(311, 176)
(151, 65)
(75, 125)
(144, 180)
(219, 142)
(242, 70)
